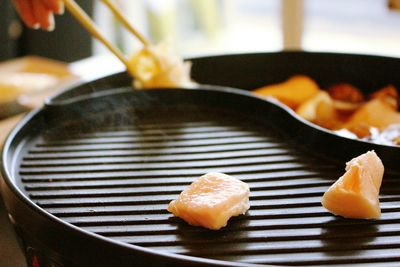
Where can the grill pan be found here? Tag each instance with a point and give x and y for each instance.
(87, 178)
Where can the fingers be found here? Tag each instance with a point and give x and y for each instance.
(56, 6)
(43, 15)
(39, 13)
(25, 11)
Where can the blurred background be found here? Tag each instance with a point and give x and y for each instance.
(204, 27)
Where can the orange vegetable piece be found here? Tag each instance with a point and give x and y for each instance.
(292, 92)
(362, 130)
(387, 91)
(356, 193)
(211, 201)
(388, 94)
(376, 113)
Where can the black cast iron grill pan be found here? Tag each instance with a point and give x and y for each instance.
(87, 180)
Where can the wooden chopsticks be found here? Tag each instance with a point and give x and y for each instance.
(82, 17)
(118, 14)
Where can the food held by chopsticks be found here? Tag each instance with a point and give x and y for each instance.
(211, 201)
(152, 66)
(342, 108)
(356, 193)
(157, 66)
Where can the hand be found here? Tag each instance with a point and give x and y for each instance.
(39, 13)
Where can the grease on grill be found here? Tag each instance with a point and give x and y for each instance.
(211, 201)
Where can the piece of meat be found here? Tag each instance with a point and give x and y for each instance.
(356, 193)
(211, 201)
(346, 92)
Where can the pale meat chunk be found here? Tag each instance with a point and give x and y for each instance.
(211, 201)
(356, 193)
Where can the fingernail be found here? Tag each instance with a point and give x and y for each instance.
(50, 27)
(51, 23)
(61, 9)
(35, 26)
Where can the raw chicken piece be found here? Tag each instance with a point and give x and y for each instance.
(356, 193)
(211, 201)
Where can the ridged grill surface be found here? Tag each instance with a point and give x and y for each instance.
(117, 180)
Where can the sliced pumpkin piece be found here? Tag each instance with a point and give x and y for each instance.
(292, 92)
(356, 193)
(388, 94)
(376, 113)
(211, 201)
